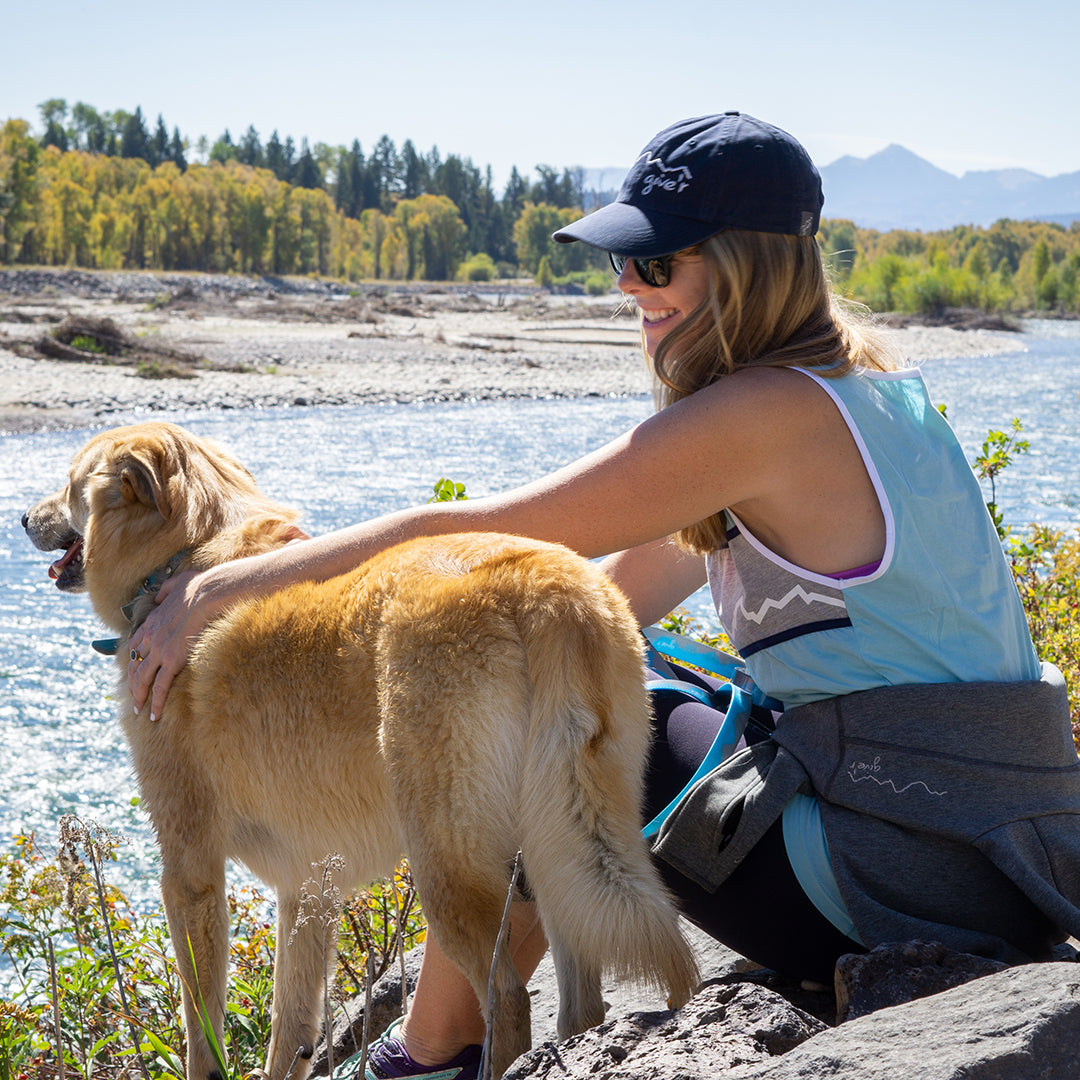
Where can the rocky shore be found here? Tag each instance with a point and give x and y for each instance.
(204, 341)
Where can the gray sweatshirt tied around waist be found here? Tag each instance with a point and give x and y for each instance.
(951, 811)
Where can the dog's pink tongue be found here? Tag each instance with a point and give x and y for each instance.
(70, 555)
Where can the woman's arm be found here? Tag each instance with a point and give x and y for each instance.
(655, 577)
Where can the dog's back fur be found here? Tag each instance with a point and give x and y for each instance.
(458, 698)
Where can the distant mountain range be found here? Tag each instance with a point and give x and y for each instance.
(896, 189)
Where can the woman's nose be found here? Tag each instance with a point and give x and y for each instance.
(629, 281)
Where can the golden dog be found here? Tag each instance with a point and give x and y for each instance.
(457, 698)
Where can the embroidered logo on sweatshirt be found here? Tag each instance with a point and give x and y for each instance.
(860, 771)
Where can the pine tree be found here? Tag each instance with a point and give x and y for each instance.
(517, 191)
(386, 158)
(357, 181)
(161, 142)
(250, 151)
(308, 173)
(135, 140)
(414, 178)
(343, 197)
(176, 151)
(275, 156)
(288, 153)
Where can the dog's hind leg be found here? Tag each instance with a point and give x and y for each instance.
(452, 736)
(603, 903)
(306, 949)
(193, 891)
(581, 1001)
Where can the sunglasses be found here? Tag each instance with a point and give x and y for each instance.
(655, 271)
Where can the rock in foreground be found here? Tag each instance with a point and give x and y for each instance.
(724, 1025)
(1020, 1023)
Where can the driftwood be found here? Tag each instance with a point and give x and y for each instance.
(108, 343)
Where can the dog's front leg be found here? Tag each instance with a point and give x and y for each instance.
(306, 951)
(194, 897)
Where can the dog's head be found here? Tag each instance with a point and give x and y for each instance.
(134, 498)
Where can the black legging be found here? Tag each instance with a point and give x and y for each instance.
(760, 911)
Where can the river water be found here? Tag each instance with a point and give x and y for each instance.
(62, 749)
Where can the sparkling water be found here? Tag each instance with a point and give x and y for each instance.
(62, 748)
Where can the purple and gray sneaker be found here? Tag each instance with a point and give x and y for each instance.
(388, 1060)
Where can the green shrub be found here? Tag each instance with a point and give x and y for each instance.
(85, 343)
(84, 961)
(447, 491)
(479, 267)
(1046, 565)
(598, 284)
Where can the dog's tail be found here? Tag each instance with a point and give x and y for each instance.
(602, 901)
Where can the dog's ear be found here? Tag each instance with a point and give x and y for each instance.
(141, 481)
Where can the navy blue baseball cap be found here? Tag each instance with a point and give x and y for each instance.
(703, 175)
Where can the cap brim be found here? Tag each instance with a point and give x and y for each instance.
(629, 230)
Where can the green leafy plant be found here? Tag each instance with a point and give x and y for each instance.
(447, 491)
(98, 1009)
(999, 448)
(544, 274)
(479, 267)
(1046, 565)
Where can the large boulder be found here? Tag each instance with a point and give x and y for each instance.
(898, 973)
(1018, 1024)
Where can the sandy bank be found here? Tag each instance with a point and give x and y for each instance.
(257, 343)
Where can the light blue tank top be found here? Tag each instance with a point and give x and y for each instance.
(942, 605)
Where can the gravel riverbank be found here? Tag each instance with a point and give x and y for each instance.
(266, 342)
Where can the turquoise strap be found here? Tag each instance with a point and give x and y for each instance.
(808, 852)
(731, 730)
(689, 651)
(698, 654)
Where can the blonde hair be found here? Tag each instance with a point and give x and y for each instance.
(769, 305)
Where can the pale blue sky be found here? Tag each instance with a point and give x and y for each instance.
(966, 85)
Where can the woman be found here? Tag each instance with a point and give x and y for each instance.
(843, 536)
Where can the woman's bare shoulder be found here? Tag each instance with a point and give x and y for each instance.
(753, 401)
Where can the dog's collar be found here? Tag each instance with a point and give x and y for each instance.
(151, 584)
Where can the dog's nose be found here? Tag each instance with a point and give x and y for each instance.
(26, 520)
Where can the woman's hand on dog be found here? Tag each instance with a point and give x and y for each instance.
(184, 606)
(161, 646)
